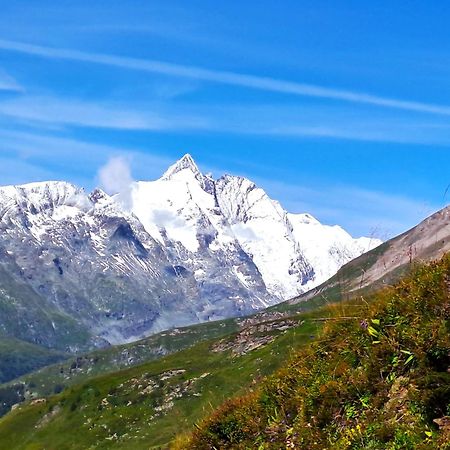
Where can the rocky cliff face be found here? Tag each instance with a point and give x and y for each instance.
(79, 270)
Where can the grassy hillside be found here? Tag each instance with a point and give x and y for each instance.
(19, 357)
(377, 380)
(146, 406)
(76, 369)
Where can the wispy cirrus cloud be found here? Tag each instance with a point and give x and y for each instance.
(275, 121)
(226, 77)
(75, 112)
(368, 130)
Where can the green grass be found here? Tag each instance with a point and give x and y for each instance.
(375, 381)
(126, 409)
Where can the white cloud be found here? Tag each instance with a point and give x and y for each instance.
(330, 122)
(244, 232)
(115, 178)
(226, 77)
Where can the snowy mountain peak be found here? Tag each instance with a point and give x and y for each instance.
(186, 171)
(185, 163)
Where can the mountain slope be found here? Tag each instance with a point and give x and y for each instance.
(379, 379)
(348, 278)
(94, 275)
(18, 357)
(294, 252)
(76, 369)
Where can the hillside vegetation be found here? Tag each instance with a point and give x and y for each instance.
(77, 369)
(146, 406)
(376, 379)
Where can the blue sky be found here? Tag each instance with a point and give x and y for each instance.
(340, 110)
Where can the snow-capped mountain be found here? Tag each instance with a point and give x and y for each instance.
(293, 252)
(79, 270)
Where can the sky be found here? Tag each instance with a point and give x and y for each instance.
(338, 109)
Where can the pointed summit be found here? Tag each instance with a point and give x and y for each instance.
(186, 162)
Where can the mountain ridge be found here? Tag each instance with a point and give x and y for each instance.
(189, 249)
